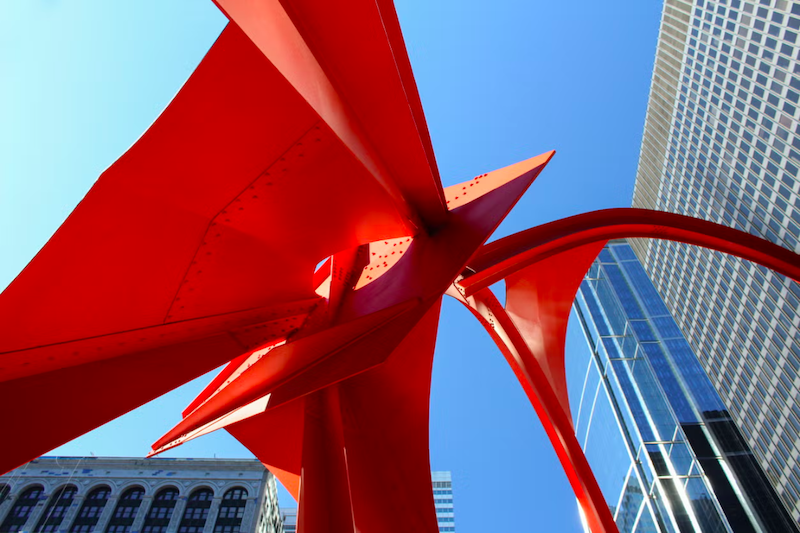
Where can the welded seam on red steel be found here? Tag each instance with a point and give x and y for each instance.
(227, 206)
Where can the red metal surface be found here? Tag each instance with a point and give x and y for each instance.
(300, 141)
(496, 260)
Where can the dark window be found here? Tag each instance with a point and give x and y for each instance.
(90, 511)
(56, 508)
(4, 490)
(160, 512)
(125, 512)
(231, 511)
(167, 495)
(21, 510)
(196, 513)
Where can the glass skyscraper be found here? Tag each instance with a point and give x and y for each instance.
(722, 142)
(660, 440)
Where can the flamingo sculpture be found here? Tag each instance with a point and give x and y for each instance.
(284, 215)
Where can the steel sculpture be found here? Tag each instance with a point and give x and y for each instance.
(301, 137)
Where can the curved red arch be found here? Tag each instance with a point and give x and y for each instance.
(531, 328)
(500, 258)
(532, 368)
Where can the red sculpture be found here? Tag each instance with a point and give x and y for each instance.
(300, 140)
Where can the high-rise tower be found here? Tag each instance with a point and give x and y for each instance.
(443, 499)
(722, 142)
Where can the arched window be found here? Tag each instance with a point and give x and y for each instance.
(231, 511)
(56, 509)
(194, 518)
(161, 509)
(4, 490)
(21, 510)
(125, 512)
(90, 510)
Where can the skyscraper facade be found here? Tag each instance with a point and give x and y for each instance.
(664, 449)
(132, 495)
(443, 499)
(289, 519)
(722, 142)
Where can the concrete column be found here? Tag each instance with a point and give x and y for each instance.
(177, 514)
(36, 514)
(72, 512)
(141, 513)
(106, 514)
(251, 504)
(6, 506)
(213, 513)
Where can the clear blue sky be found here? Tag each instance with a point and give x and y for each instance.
(500, 81)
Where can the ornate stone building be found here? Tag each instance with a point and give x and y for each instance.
(131, 495)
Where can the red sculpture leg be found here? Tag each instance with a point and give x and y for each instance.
(543, 268)
(547, 402)
(325, 504)
(385, 415)
(500, 258)
(383, 427)
(559, 250)
(540, 309)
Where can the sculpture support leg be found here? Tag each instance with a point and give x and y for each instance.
(385, 427)
(554, 418)
(325, 505)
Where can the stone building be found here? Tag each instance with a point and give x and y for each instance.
(132, 495)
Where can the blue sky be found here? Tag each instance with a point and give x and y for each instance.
(500, 81)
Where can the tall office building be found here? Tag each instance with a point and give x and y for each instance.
(130, 495)
(289, 519)
(722, 142)
(663, 447)
(442, 497)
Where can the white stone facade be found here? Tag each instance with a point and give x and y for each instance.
(91, 477)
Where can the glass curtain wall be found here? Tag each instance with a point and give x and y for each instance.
(664, 449)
